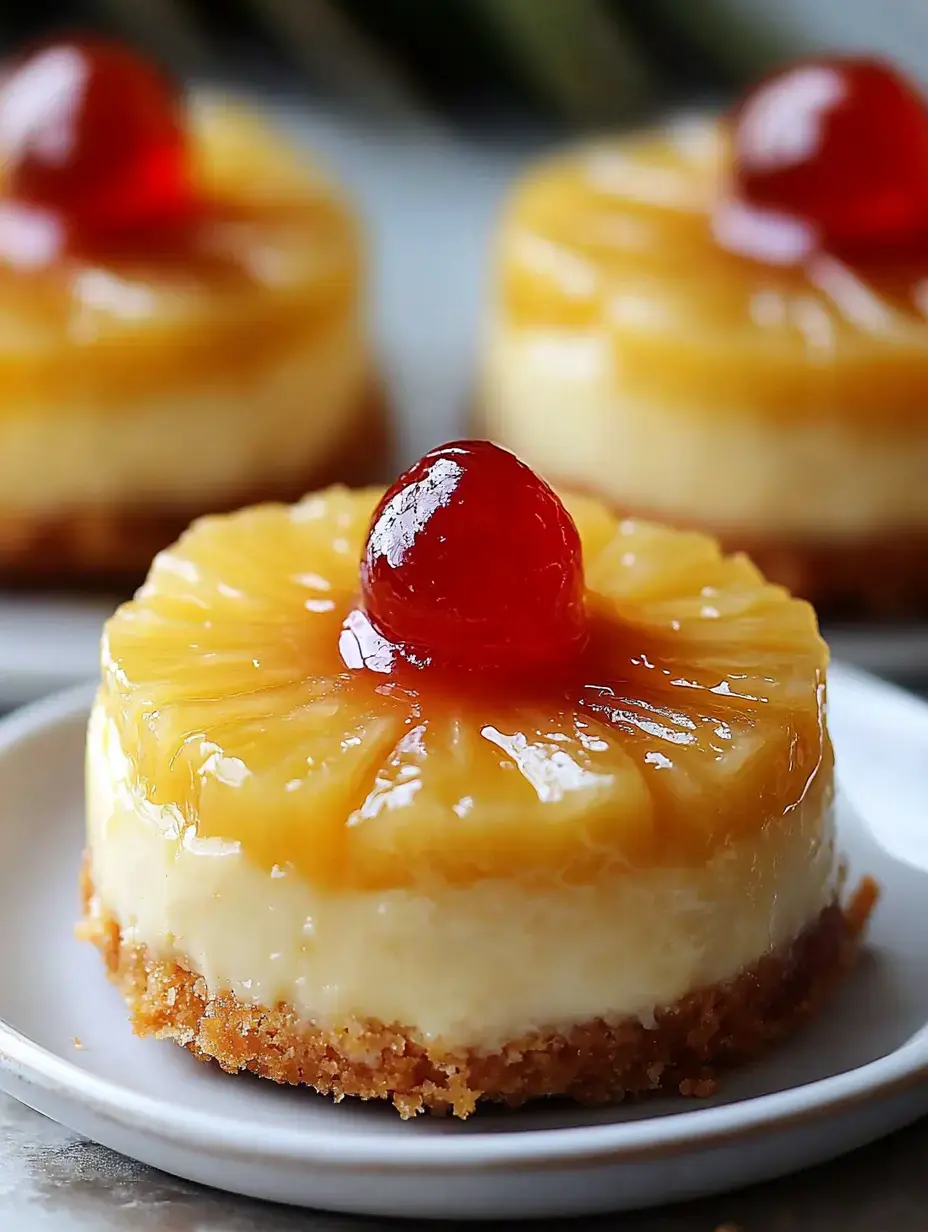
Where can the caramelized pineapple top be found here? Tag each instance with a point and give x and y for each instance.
(277, 256)
(699, 719)
(629, 240)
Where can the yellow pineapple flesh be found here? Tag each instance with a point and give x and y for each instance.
(703, 721)
(618, 240)
(278, 260)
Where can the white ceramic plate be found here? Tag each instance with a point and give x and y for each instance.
(857, 1073)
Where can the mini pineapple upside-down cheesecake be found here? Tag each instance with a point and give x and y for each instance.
(722, 325)
(535, 802)
(180, 301)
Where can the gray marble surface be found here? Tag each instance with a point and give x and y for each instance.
(53, 1181)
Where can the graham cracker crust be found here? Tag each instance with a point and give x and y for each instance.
(595, 1062)
(109, 548)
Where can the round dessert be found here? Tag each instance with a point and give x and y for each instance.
(180, 297)
(534, 802)
(722, 324)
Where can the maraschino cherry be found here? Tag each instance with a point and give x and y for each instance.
(838, 145)
(473, 562)
(92, 133)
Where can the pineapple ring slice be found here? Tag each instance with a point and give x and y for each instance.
(235, 711)
(616, 240)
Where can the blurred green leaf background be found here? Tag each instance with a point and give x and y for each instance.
(580, 62)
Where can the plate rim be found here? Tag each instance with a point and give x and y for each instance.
(673, 1134)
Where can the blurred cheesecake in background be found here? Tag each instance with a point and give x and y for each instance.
(723, 324)
(180, 300)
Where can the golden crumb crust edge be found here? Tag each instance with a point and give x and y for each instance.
(594, 1062)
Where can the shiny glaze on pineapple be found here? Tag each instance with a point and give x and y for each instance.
(97, 166)
(628, 248)
(207, 240)
(695, 716)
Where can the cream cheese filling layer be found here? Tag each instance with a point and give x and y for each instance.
(555, 398)
(475, 966)
(180, 448)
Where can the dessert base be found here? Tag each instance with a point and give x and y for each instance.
(111, 547)
(594, 1062)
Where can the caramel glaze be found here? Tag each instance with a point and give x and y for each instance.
(694, 717)
(269, 257)
(635, 240)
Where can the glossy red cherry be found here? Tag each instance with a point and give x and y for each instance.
(841, 145)
(473, 561)
(92, 132)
